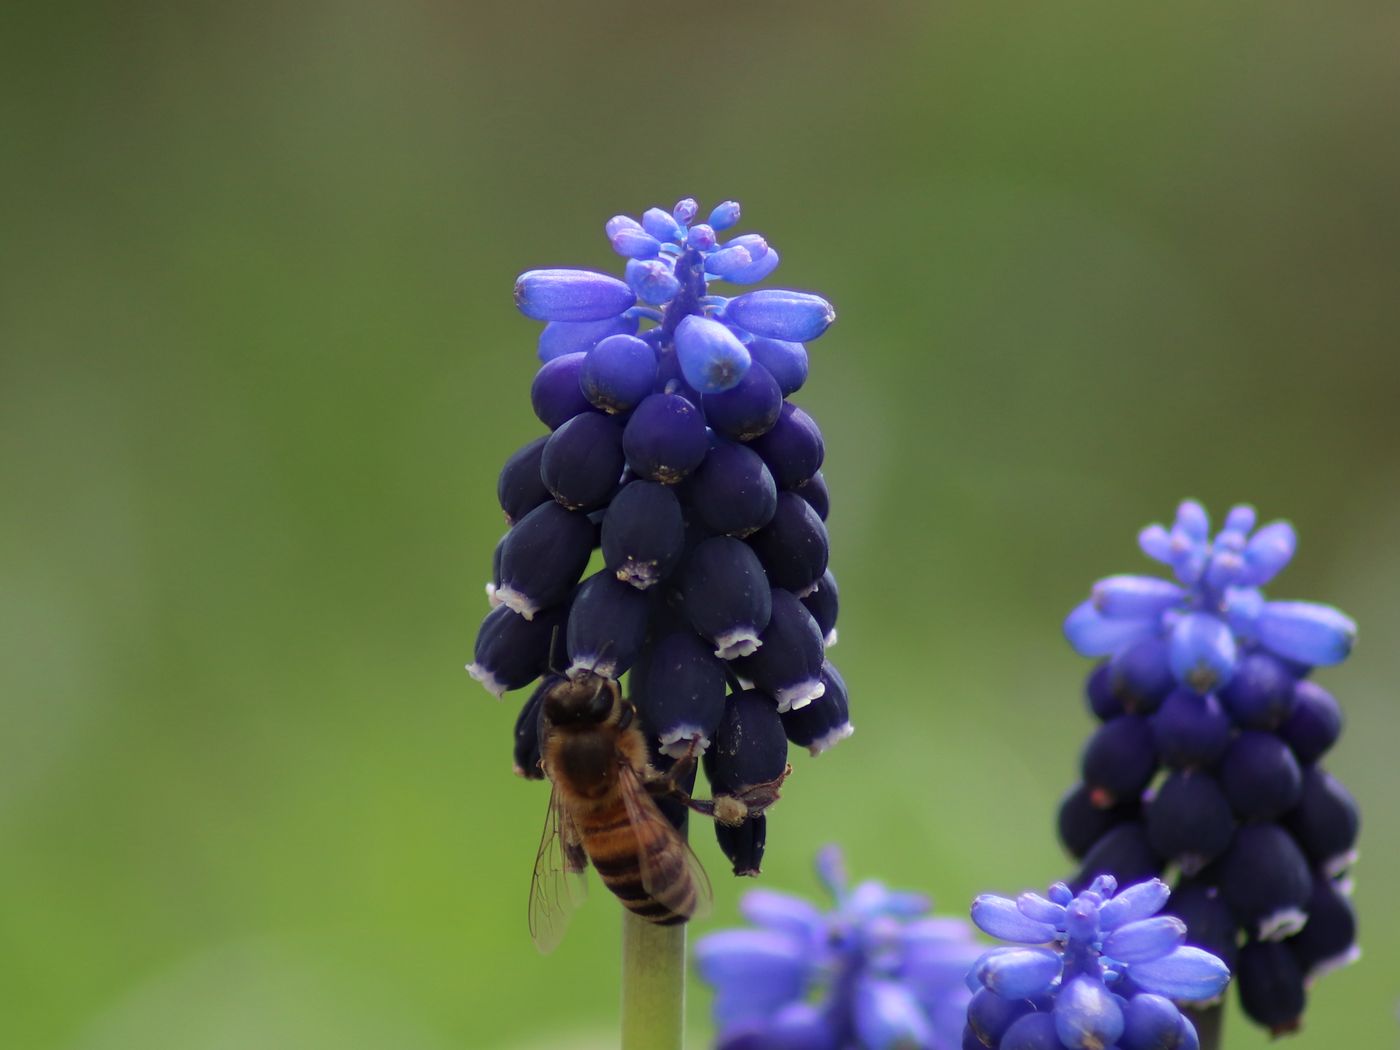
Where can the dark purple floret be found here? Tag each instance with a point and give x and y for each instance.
(1098, 692)
(1260, 776)
(813, 490)
(793, 547)
(1266, 881)
(1150, 1022)
(1119, 759)
(1314, 724)
(1081, 823)
(1209, 922)
(511, 651)
(608, 622)
(989, 1015)
(1326, 821)
(1140, 675)
(749, 746)
(618, 373)
(583, 461)
(743, 845)
(643, 533)
(682, 691)
(527, 732)
(665, 438)
(543, 556)
(825, 721)
(793, 448)
(1260, 695)
(732, 492)
(1329, 938)
(788, 662)
(1190, 729)
(578, 337)
(1123, 853)
(1189, 820)
(1271, 985)
(1032, 1031)
(555, 395)
(726, 595)
(519, 487)
(786, 362)
(748, 409)
(824, 603)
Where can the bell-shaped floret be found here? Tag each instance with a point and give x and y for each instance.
(1134, 597)
(665, 438)
(519, 487)
(1133, 903)
(989, 1015)
(1326, 821)
(653, 280)
(1328, 941)
(726, 595)
(682, 692)
(786, 362)
(814, 491)
(527, 732)
(1018, 973)
(1032, 1031)
(1000, 917)
(1145, 940)
(711, 357)
(582, 461)
(1123, 852)
(753, 972)
(824, 603)
(1210, 924)
(511, 651)
(743, 844)
(542, 557)
(1260, 695)
(1260, 776)
(1190, 730)
(607, 626)
(748, 408)
(1187, 973)
(629, 240)
(1306, 632)
(1271, 986)
(1203, 652)
(618, 373)
(1087, 1015)
(1189, 820)
(662, 225)
(793, 448)
(1314, 723)
(643, 533)
(732, 491)
(1140, 675)
(724, 215)
(788, 661)
(555, 394)
(571, 295)
(793, 547)
(1101, 696)
(777, 313)
(1266, 881)
(1151, 1022)
(749, 745)
(1081, 823)
(578, 337)
(824, 722)
(1119, 759)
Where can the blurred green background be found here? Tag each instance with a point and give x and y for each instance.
(260, 367)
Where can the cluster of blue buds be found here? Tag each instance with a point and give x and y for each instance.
(673, 448)
(1106, 971)
(876, 973)
(1208, 755)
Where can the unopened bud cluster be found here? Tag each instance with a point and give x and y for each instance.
(1208, 755)
(676, 467)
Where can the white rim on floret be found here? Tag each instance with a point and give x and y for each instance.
(831, 739)
(795, 697)
(493, 684)
(742, 641)
(1283, 923)
(516, 601)
(677, 742)
(640, 574)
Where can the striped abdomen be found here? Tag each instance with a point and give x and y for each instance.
(644, 863)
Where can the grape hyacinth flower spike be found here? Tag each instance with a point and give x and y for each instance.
(1095, 970)
(876, 972)
(1208, 754)
(672, 445)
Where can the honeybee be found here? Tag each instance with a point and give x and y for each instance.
(601, 810)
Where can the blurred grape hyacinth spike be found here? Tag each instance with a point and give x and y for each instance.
(1207, 758)
(669, 528)
(876, 972)
(1098, 969)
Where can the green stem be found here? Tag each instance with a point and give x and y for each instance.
(1208, 1023)
(653, 984)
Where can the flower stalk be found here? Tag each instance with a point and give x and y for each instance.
(653, 984)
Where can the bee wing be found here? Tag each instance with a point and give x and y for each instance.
(557, 887)
(664, 855)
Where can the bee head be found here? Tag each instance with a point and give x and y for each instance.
(582, 701)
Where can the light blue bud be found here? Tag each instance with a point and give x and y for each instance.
(1306, 632)
(1202, 652)
(571, 295)
(781, 314)
(711, 358)
(725, 215)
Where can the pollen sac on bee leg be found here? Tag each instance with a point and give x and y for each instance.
(749, 746)
(824, 603)
(826, 721)
(788, 661)
(542, 558)
(732, 493)
(744, 844)
(607, 626)
(527, 731)
(726, 595)
(512, 651)
(643, 533)
(793, 547)
(520, 488)
(582, 461)
(682, 692)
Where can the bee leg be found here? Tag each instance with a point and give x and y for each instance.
(733, 809)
